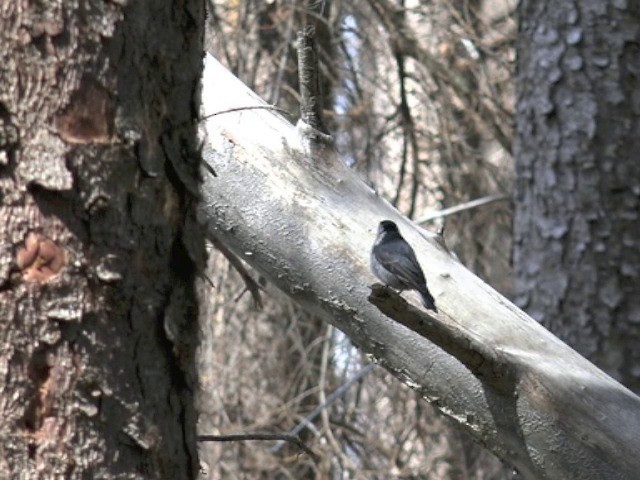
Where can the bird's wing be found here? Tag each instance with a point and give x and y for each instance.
(398, 258)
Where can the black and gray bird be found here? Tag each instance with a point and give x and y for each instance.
(394, 262)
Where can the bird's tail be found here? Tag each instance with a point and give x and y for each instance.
(428, 301)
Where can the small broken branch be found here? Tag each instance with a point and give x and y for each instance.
(448, 335)
(250, 283)
(310, 96)
(261, 436)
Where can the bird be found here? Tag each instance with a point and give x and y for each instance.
(394, 262)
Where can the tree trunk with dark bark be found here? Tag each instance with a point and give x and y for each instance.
(97, 303)
(577, 228)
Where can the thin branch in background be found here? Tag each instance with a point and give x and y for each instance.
(253, 107)
(335, 395)
(403, 169)
(241, 47)
(404, 37)
(250, 283)
(280, 437)
(324, 414)
(415, 179)
(405, 116)
(220, 30)
(308, 12)
(478, 202)
(276, 86)
(409, 138)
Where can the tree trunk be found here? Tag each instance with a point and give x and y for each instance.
(577, 233)
(277, 367)
(308, 223)
(97, 300)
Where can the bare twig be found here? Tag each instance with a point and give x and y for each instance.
(209, 281)
(251, 107)
(336, 394)
(405, 40)
(406, 126)
(276, 86)
(250, 283)
(324, 414)
(409, 138)
(478, 202)
(282, 437)
(220, 30)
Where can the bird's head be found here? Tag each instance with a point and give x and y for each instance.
(387, 226)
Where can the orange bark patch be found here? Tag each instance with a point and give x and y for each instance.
(40, 258)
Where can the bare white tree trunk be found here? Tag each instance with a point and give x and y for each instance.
(295, 212)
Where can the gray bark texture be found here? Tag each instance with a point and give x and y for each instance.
(96, 281)
(307, 222)
(577, 221)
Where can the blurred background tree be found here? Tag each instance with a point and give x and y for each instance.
(577, 248)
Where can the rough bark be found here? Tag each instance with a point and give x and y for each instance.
(577, 234)
(96, 297)
(308, 223)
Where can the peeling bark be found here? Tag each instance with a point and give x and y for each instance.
(96, 281)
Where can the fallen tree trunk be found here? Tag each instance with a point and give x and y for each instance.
(295, 212)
